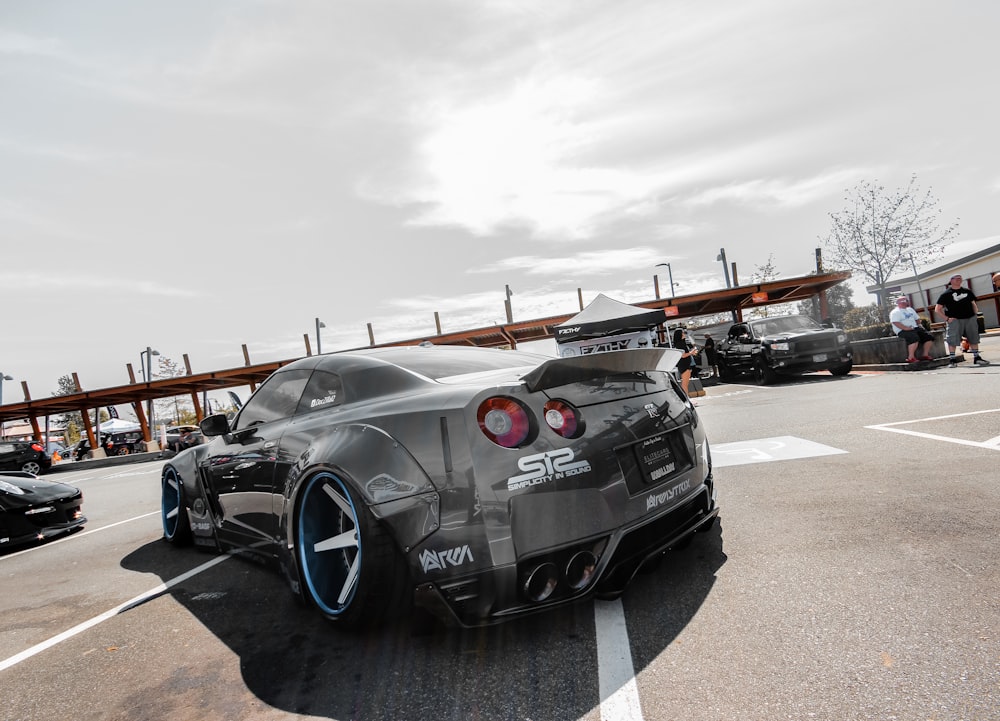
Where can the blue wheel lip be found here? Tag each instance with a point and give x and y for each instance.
(304, 544)
(170, 526)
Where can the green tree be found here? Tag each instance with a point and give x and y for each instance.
(866, 315)
(881, 232)
(72, 421)
(178, 409)
(838, 302)
(762, 274)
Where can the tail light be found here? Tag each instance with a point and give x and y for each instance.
(563, 418)
(504, 421)
(36, 447)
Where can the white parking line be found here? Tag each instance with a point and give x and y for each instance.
(80, 628)
(616, 676)
(992, 444)
(74, 536)
(765, 450)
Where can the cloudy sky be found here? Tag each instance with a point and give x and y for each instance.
(194, 176)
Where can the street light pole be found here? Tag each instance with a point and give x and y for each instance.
(670, 275)
(507, 306)
(148, 373)
(725, 266)
(4, 377)
(319, 347)
(3, 427)
(923, 300)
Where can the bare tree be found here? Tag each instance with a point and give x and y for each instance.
(879, 232)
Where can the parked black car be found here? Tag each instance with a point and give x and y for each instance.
(767, 348)
(122, 444)
(27, 456)
(32, 509)
(479, 484)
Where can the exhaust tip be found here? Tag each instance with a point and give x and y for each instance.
(580, 569)
(541, 582)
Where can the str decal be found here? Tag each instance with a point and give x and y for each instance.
(440, 560)
(545, 467)
(656, 500)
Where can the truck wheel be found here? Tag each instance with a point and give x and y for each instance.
(763, 374)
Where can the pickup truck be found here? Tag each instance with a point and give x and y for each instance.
(767, 348)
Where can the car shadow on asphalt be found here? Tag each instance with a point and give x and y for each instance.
(539, 667)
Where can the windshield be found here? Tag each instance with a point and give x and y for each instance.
(784, 324)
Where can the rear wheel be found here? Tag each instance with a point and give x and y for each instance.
(348, 563)
(32, 467)
(123, 451)
(176, 527)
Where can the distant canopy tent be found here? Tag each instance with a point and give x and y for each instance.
(608, 324)
(116, 425)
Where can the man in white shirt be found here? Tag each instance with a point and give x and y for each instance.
(906, 324)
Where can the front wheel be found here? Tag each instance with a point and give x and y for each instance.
(843, 369)
(763, 374)
(176, 527)
(348, 563)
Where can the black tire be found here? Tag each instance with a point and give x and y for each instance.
(123, 451)
(725, 374)
(348, 564)
(176, 526)
(842, 370)
(33, 467)
(762, 373)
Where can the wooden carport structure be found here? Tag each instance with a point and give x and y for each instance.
(730, 300)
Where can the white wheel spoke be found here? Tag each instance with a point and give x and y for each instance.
(348, 539)
(172, 513)
(172, 482)
(351, 579)
(338, 499)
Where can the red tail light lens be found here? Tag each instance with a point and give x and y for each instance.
(563, 418)
(36, 447)
(504, 421)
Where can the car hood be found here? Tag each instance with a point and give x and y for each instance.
(18, 491)
(805, 333)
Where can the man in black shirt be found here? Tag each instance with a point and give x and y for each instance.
(958, 305)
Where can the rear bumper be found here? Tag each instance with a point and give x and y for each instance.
(502, 593)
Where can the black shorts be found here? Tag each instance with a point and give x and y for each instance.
(917, 335)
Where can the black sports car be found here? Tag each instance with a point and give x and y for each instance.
(32, 509)
(478, 484)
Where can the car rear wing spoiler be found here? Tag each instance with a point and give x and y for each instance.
(562, 371)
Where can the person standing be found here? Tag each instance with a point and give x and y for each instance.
(958, 305)
(688, 360)
(906, 324)
(710, 353)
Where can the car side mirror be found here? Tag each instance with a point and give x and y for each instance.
(215, 425)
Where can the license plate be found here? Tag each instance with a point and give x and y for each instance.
(662, 456)
(819, 357)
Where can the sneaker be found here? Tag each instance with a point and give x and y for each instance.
(953, 363)
(979, 360)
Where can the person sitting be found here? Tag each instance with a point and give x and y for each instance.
(906, 324)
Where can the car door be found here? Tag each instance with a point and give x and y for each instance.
(239, 467)
(738, 346)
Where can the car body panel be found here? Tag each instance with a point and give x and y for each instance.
(469, 517)
(32, 509)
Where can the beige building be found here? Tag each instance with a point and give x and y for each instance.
(977, 269)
